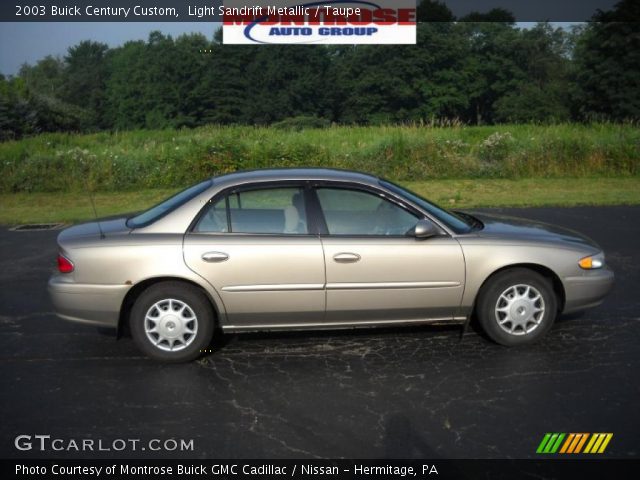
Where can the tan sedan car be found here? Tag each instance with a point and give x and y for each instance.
(288, 249)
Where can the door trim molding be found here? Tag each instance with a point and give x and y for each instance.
(274, 288)
(338, 286)
(390, 285)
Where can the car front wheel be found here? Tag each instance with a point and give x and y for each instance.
(517, 307)
(172, 322)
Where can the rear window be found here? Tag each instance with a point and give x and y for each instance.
(168, 206)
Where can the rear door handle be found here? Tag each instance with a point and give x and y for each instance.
(215, 257)
(346, 257)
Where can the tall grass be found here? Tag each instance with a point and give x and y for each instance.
(172, 158)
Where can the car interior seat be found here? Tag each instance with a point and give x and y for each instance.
(294, 215)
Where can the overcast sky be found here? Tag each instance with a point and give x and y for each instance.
(29, 42)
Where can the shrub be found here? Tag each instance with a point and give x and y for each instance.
(301, 123)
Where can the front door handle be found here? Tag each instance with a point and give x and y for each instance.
(215, 257)
(346, 257)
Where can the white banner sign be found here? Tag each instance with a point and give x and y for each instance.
(319, 23)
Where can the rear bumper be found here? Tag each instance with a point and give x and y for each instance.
(97, 305)
(588, 290)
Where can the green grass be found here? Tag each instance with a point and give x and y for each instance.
(73, 207)
(530, 192)
(76, 206)
(125, 161)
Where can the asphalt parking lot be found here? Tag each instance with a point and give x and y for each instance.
(393, 393)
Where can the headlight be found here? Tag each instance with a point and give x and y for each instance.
(592, 262)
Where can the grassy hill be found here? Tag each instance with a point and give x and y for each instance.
(134, 160)
(45, 178)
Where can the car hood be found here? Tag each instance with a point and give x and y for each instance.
(521, 228)
(109, 227)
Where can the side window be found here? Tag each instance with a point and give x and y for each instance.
(269, 210)
(355, 212)
(214, 219)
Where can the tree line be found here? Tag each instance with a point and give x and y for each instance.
(482, 69)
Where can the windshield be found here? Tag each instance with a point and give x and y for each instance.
(452, 220)
(169, 205)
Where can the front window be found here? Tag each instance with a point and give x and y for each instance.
(263, 211)
(169, 205)
(356, 212)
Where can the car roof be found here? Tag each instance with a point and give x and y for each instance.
(272, 174)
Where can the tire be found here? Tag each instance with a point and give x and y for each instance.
(184, 325)
(517, 307)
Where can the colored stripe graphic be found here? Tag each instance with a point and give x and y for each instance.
(573, 443)
(591, 443)
(550, 443)
(567, 443)
(605, 443)
(576, 438)
(544, 441)
(598, 442)
(581, 442)
(556, 445)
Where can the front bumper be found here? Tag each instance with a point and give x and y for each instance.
(97, 305)
(587, 290)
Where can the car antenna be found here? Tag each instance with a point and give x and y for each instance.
(95, 212)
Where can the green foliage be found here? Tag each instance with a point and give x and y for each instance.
(607, 64)
(301, 123)
(286, 81)
(46, 77)
(494, 15)
(12, 107)
(434, 11)
(485, 70)
(25, 111)
(48, 114)
(84, 80)
(176, 158)
(543, 96)
(158, 84)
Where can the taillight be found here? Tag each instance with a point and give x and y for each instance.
(64, 264)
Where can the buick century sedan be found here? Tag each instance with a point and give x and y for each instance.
(289, 249)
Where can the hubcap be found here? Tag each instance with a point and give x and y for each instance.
(170, 325)
(520, 309)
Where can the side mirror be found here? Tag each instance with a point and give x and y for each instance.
(425, 229)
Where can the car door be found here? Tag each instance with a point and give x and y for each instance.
(252, 245)
(375, 270)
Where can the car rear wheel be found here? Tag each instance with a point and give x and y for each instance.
(172, 322)
(517, 307)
